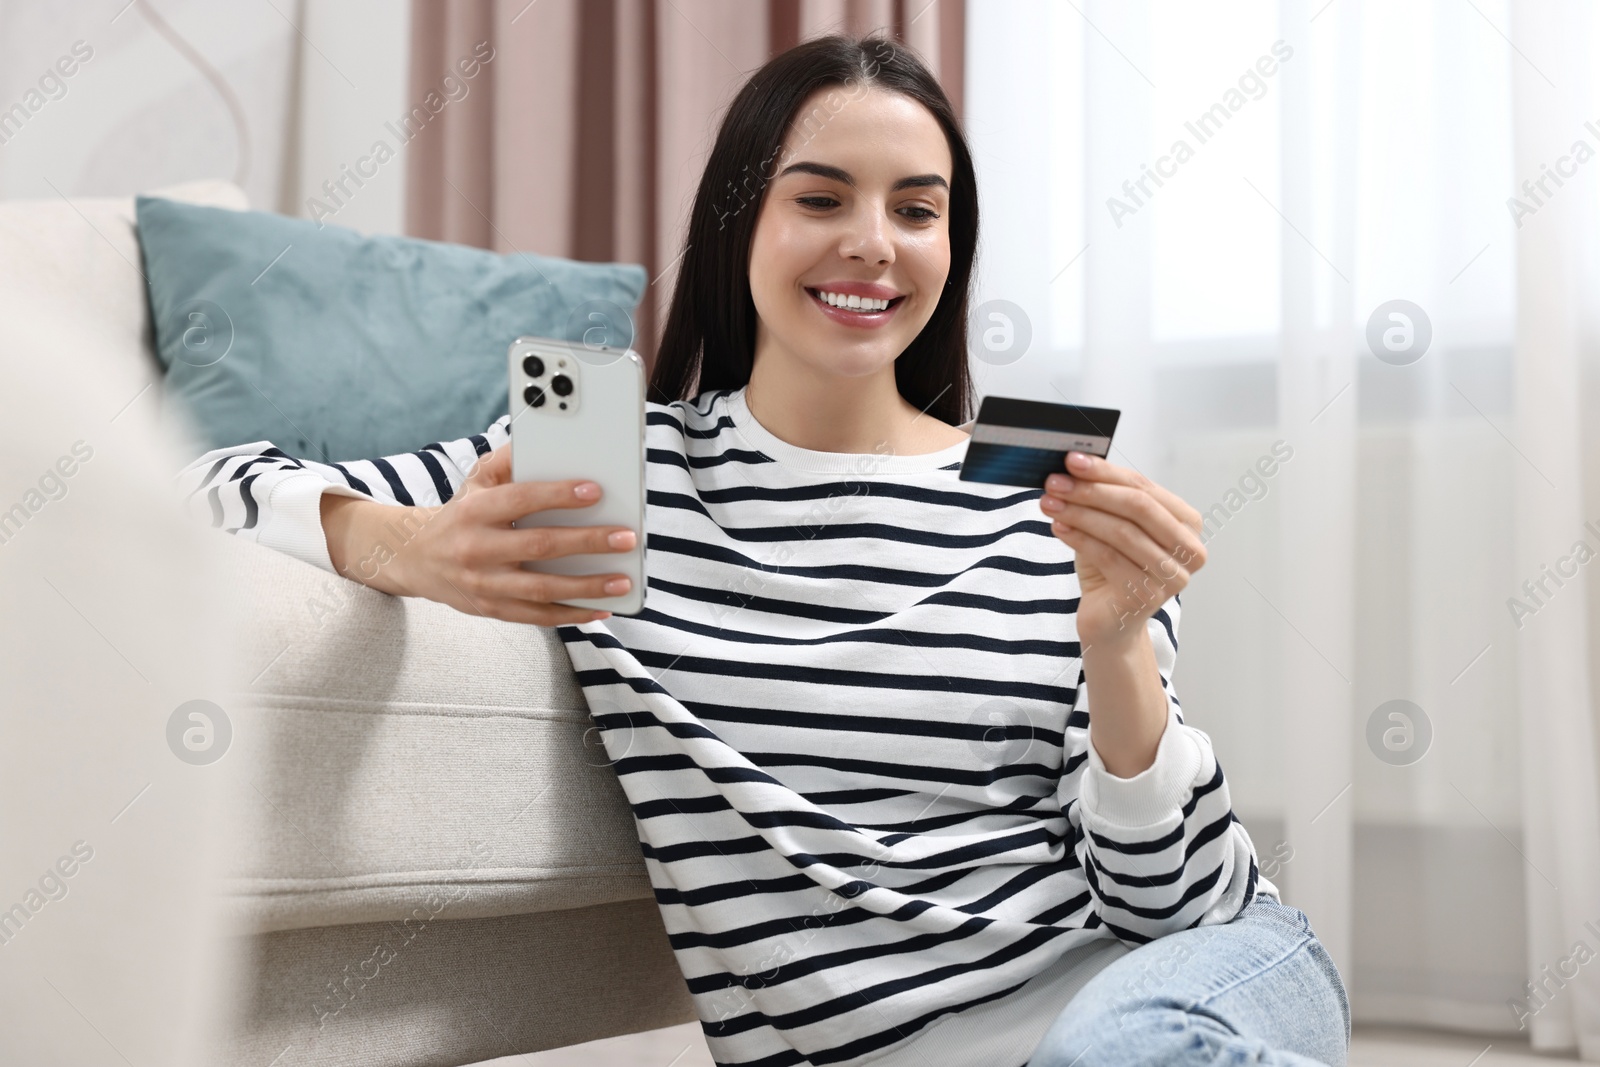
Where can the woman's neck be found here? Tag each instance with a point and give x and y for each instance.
(857, 415)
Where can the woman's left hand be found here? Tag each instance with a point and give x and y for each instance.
(1135, 545)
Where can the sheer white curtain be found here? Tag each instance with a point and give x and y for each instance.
(1202, 215)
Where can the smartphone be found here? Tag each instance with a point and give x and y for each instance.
(1023, 442)
(578, 411)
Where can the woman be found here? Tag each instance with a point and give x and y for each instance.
(853, 722)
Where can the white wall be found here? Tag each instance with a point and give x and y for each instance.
(310, 84)
(354, 82)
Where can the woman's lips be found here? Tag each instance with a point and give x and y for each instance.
(860, 319)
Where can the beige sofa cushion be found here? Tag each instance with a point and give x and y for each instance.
(412, 756)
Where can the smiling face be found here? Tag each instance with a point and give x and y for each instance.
(859, 209)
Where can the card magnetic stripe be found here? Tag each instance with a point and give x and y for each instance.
(1044, 440)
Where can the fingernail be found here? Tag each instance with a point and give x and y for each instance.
(1058, 483)
(621, 539)
(617, 585)
(1078, 460)
(586, 490)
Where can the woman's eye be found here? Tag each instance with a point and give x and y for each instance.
(823, 203)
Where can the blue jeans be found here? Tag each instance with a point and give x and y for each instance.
(1259, 990)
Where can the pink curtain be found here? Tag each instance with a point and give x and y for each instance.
(585, 133)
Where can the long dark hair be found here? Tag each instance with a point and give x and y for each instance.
(711, 326)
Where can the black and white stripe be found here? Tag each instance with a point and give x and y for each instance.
(853, 727)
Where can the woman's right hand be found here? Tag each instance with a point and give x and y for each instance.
(467, 554)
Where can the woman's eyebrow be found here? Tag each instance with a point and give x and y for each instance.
(839, 174)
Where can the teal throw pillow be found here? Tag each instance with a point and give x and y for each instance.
(335, 345)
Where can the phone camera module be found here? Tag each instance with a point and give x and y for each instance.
(533, 366)
(533, 395)
(561, 385)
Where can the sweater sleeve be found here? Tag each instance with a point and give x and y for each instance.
(260, 492)
(1162, 851)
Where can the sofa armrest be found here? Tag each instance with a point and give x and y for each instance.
(401, 759)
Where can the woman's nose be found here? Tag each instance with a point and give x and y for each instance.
(869, 239)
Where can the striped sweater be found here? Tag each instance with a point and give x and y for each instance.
(852, 724)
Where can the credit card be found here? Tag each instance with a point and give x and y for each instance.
(1022, 442)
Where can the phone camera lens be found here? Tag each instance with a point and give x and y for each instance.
(534, 396)
(533, 366)
(561, 385)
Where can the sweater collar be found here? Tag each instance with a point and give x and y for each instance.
(862, 464)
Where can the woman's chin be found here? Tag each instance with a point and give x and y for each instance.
(869, 345)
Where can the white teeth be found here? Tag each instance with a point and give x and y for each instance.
(854, 303)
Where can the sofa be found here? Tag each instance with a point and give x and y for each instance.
(428, 861)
